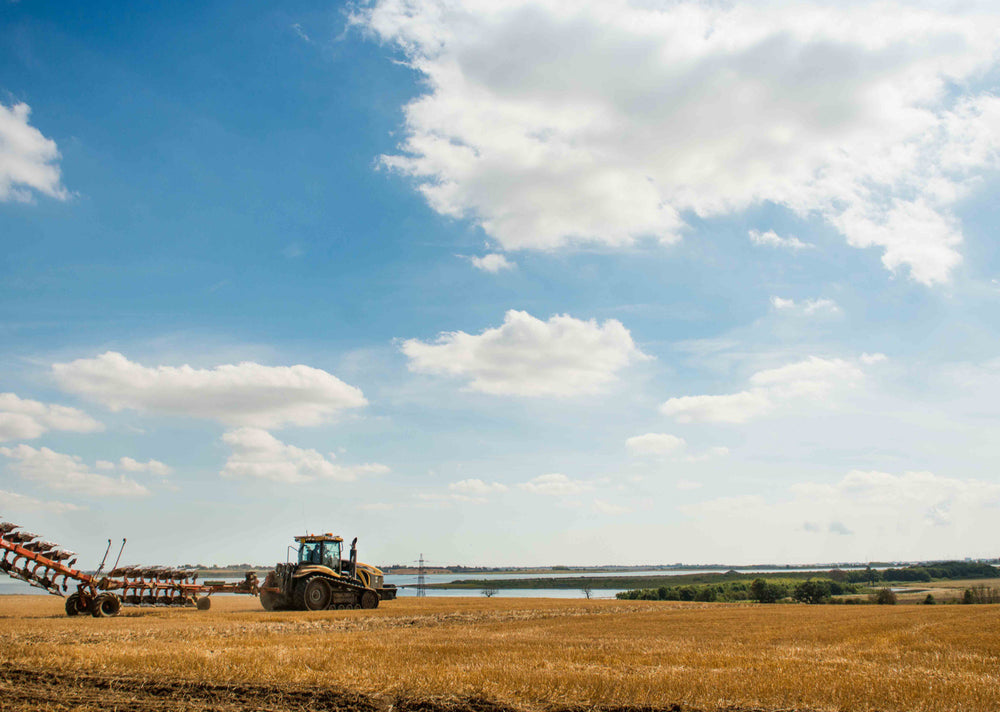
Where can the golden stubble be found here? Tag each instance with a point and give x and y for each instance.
(533, 653)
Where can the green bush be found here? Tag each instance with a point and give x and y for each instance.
(981, 594)
(812, 591)
(767, 592)
(883, 597)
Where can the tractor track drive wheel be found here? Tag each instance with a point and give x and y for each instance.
(312, 594)
(317, 594)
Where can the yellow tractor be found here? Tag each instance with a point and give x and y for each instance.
(322, 580)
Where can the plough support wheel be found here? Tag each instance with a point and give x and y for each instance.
(204, 603)
(75, 605)
(105, 605)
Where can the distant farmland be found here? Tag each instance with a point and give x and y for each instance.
(454, 654)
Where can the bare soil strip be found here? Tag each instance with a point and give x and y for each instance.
(41, 690)
(22, 690)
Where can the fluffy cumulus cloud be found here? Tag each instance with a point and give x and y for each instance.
(530, 357)
(807, 307)
(655, 444)
(28, 160)
(68, 473)
(246, 394)
(23, 419)
(664, 444)
(549, 122)
(868, 514)
(556, 484)
(14, 503)
(477, 488)
(773, 239)
(128, 464)
(493, 262)
(259, 455)
(813, 380)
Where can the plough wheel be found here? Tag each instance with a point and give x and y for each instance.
(75, 605)
(204, 603)
(105, 605)
(369, 599)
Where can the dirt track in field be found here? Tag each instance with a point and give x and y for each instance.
(23, 690)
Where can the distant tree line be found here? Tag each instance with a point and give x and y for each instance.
(759, 590)
(824, 589)
(924, 572)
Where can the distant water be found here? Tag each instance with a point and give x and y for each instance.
(407, 583)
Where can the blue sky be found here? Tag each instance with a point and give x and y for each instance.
(546, 283)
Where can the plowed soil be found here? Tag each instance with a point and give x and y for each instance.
(23, 690)
(33, 690)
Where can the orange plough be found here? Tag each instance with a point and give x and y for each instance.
(27, 557)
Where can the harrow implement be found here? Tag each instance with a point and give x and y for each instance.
(27, 557)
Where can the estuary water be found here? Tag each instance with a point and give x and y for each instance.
(407, 583)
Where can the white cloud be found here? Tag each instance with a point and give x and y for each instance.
(16, 503)
(814, 379)
(914, 515)
(476, 488)
(530, 357)
(22, 419)
(28, 160)
(773, 239)
(128, 464)
(259, 455)
(732, 408)
(602, 507)
(688, 485)
(808, 307)
(549, 122)
(241, 394)
(493, 262)
(154, 467)
(655, 444)
(555, 484)
(68, 473)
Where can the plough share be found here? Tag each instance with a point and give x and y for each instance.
(47, 566)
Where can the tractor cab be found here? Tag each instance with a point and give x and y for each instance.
(320, 550)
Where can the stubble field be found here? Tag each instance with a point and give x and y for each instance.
(497, 654)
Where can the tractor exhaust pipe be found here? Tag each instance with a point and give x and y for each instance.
(354, 558)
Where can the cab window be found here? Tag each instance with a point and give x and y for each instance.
(331, 554)
(309, 552)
